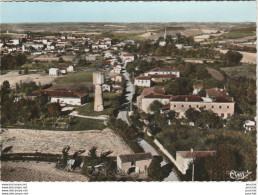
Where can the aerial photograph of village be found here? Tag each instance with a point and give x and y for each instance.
(116, 99)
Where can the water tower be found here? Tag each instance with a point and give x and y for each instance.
(98, 81)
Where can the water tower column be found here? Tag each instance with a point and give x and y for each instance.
(98, 80)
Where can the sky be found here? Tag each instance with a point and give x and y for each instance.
(36, 12)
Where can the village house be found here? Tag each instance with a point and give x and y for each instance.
(134, 163)
(249, 126)
(197, 89)
(116, 78)
(53, 72)
(162, 71)
(91, 58)
(64, 97)
(221, 104)
(149, 95)
(127, 57)
(106, 87)
(144, 81)
(184, 158)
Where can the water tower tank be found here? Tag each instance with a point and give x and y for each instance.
(98, 78)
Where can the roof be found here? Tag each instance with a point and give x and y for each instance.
(163, 76)
(219, 95)
(143, 78)
(186, 98)
(195, 154)
(198, 86)
(157, 96)
(53, 93)
(162, 69)
(153, 90)
(128, 54)
(135, 157)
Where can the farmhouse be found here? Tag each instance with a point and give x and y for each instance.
(116, 78)
(127, 57)
(134, 163)
(223, 106)
(149, 95)
(162, 71)
(64, 97)
(53, 72)
(184, 158)
(144, 81)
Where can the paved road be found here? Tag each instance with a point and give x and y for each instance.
(129, 96)
(148, 148)
(75, 113)
(123, 115)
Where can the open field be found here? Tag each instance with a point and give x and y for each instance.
(36, 171)
(247, 57)
(15, 77)
(30, 141)
(88, 86)
(76, 77)
(52, 58)
(247, 70)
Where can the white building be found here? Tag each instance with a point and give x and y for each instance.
(134, 163)
(64, 97)
(144, 81)
(184, 158)
(70, 68)
(127, 57)
(249, 126)
(53, 72)
(160, 71)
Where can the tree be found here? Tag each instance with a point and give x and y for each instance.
(93, 152)
(192, 115)
(54, 109)
(155, 106)
(60, 60)
(26, 71)
(155, 171)
(233, 57)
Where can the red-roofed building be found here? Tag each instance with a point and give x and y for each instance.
(184, 158)
(151, 94)
(223, 107)
(64, 97)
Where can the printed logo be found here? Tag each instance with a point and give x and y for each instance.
(238, 175)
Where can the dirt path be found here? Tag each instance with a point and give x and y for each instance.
(33, 171)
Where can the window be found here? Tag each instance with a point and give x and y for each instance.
(133, 163)
(220, 107)
(190, 106)
(182, 106)
(197, 106)
(204, 106)
(227, 106)
(174, 106)
(222, 114)
(212, 106)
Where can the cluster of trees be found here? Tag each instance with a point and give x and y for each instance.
(241, 48)
(128, 133)
(10, 61)
(229, 157)
(243, 91)
(232, 58)
(25, 110)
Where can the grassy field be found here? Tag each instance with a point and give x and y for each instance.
(44, 65)
(247, 70)
(88, 109)
(77, 77)
(87, 124)
(236, 35)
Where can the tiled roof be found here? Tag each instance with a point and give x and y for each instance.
(163, 76)
(143, 78)
(157, 96)
(186, 98)
(219, 95)
(198, 86)
(162, 69)
(61, 93)
(135, 157)
(153, 90)
(195, 154)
